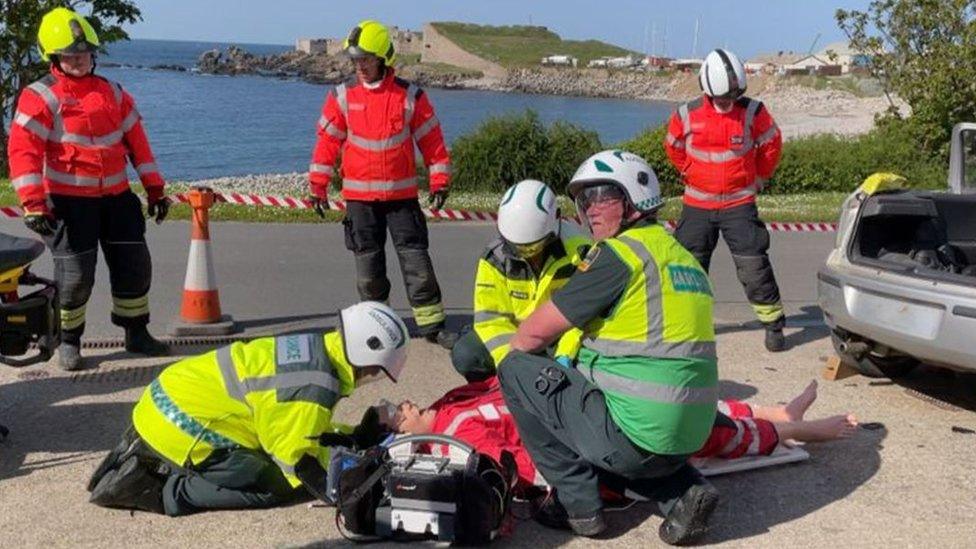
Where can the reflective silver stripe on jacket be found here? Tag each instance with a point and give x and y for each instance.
(340, 92)
(754, 431)
(147, 168)
(723, 156)
(736, 440)
(426, 128)
(654, 346)
(27, 180)
(498, 342)
(83, 180)
(409, 104)
(379, 144)
(356, 185)
(440, 168)
(117, 92)
(238, 388)
(330, 128)
(285, 468)
(131, 120)
(484, 316)
(32, 125)
(675, 142)
(649, 390)
(57, 133)
(458, 420)
(698, 194)
(321, 168)
(767, 136)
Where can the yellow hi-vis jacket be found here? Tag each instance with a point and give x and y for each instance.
(274, 394)
(507, 291)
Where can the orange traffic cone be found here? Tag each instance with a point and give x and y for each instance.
(200, 312)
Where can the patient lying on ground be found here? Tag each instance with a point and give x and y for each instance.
(476, 413)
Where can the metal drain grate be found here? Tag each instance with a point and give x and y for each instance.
(131, 374)
(941, 404)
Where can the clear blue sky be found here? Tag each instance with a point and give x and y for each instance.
(746, 26)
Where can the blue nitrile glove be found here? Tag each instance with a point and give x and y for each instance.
(564, 361)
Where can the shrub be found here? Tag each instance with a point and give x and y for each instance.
(504, 150)
(650, 145)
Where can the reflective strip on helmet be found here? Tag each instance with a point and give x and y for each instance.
(649, 390)
(32, 125)
(357, 185)
(73, 318)
(380, 144)
(340, 93)
(130, 307)
(27, 180)
(767, 135)
(426, 128)
(82, 180)
(238, 388)
(485, 316)
(654, 345)
(440, 168)
(321, 168)
(186, 423)
(130, 120)
(330, 128)
(698, 194)
(147, 168)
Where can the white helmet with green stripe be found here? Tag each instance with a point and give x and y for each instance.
(374, 335)
(627, 171)
(528, 213)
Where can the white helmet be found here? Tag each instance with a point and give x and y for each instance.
(374, 335)
(627, 171)
(722, 75)
(528, 212)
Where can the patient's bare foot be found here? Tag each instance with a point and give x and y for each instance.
(793, 411)
(819, 430)
(799, 405)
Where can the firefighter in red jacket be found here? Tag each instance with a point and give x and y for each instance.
(70, 139)
(726, 147)
(373, 123)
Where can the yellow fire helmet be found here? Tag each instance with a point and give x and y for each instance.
(64, 31)
(370, 38)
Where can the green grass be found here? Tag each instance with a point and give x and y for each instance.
(787, 207)
(522, 45)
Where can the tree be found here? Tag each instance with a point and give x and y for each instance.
(20, 61)
(925, 52)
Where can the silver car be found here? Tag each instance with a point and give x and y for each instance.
(899, 286)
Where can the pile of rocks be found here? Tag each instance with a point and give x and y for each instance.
(315, 68)
(587, 83)
(286, 184)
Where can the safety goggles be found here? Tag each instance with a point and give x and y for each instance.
(596, 194)
(532, 249)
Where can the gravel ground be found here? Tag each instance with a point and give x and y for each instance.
(907, 483)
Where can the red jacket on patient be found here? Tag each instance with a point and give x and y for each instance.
(476, 413)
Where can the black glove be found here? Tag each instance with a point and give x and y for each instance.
(314, 478)
(367, 434)
(159, 209)
(320, 205)
(41, 223)
(437, 199)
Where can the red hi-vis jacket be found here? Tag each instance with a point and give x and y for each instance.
(374, 128)
(73, 136)
(724, 158)
(476, 413)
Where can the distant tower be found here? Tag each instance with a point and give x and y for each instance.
(694, 44)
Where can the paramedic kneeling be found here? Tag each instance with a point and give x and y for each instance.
(642, 395)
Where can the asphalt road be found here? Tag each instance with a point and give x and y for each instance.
(905, 481)
(281, 277)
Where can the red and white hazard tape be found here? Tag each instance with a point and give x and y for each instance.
(290, 202)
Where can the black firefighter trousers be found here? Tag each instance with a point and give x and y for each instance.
(115, 223)
(748, 240)
(564, 422)
(366, 225)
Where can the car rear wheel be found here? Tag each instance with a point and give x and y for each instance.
(875, 365)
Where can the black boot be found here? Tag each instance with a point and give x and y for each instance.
(775, 341)
(139, 340)
(132, 486)
(551, 513)
(687, 521)
(69, 357)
